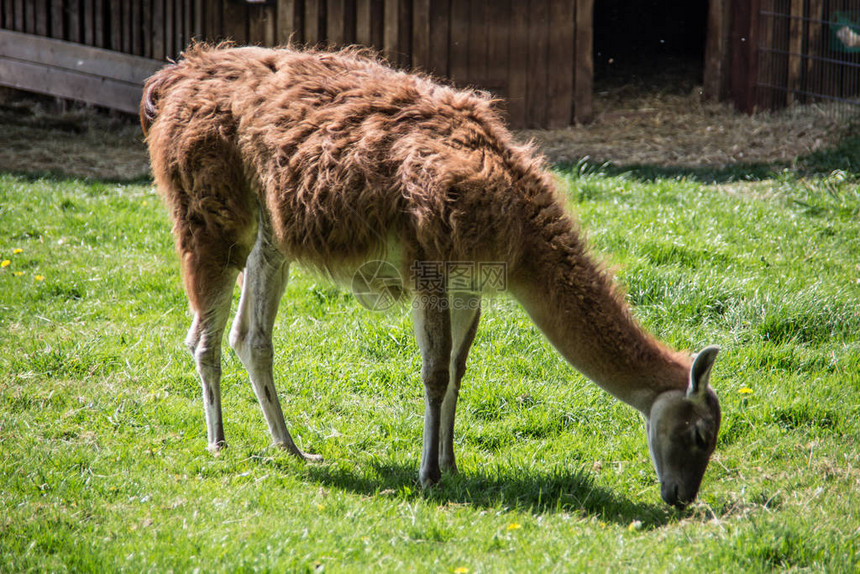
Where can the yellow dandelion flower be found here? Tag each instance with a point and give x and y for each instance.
(514, 526)
(39, 277)
(745, 391)
(5, 263)
(461, 570)
(18, 273)
(17, 250)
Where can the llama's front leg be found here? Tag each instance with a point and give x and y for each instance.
(465, 314)
(433, 333)
(264, 281)
(204, 342)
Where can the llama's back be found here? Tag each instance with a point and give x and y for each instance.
(345, 153)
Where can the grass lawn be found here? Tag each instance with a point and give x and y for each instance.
(103, 461)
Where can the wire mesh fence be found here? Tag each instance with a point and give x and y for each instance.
(809, 53)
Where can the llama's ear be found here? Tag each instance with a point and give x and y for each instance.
(700, 372)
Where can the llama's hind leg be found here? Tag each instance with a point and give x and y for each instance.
(211, 307)
(465, 315)
(264, 281)
(203, 183)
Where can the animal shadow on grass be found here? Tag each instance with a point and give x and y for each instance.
(539, 492)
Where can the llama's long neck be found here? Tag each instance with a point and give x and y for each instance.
(572, 300)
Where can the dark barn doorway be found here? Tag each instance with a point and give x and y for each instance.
(650, 45)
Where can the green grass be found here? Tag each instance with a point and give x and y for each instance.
(102, 441)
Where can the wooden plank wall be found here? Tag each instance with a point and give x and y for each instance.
(744, 40)
(68, 70)
(717, 53)
(536, 54)
(155, 29)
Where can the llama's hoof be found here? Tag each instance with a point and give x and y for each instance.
(429, 480)
(297, 452)
(216, 447)
(311, 457)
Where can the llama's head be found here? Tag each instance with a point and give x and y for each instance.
(682, 433)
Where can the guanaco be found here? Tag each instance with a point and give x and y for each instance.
(266, 157)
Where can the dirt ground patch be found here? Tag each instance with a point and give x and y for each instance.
(631, 127)
(38, 136)
(663, 129)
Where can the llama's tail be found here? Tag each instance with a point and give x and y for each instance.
(152, 92)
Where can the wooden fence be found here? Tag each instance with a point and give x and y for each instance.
(795, 51)
(809, 50)
(535, 54)
(73, 71)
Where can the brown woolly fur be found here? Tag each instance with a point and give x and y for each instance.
(346, 155)
(343, 152)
